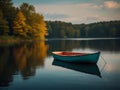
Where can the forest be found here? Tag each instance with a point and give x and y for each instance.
(22, 21)
(58, 29)
(25, 23)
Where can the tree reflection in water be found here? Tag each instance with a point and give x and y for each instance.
(111, 45)
(21, 58)
(24, 58)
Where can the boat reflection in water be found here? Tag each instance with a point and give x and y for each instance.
(81, 67)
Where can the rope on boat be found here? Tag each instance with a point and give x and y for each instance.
(103, 59)
(104, 64)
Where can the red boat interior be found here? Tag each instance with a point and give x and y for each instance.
(70, 54)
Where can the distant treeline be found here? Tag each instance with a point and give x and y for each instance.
(22, 21)
(58, 29)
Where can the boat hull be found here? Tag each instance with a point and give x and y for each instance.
(87, 58)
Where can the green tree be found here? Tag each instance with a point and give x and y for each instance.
(4, 29)
(112, 32)
(86, 31)
(77, 33)
(9, 12)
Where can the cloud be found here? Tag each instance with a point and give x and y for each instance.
(111, 4)
(80, 12)
(67, 9)
(56, 16)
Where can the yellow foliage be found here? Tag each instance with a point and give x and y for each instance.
(19, 25)
(38, 25)
(34, 27)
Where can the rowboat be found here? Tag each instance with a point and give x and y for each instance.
(91, 69)
(76, 57)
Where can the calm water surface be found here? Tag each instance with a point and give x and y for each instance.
(31, 66)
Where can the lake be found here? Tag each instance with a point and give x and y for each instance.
(30, 66)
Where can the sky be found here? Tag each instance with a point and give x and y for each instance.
(76, 11)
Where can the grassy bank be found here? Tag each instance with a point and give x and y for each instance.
(13, 39)
(8, 39)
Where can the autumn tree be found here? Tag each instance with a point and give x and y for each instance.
(38, 25)
(20, 26)
(27, 10)
(35, 21)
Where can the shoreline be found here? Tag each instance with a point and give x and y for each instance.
(12, 39)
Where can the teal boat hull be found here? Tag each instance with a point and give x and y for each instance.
(87, 58)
